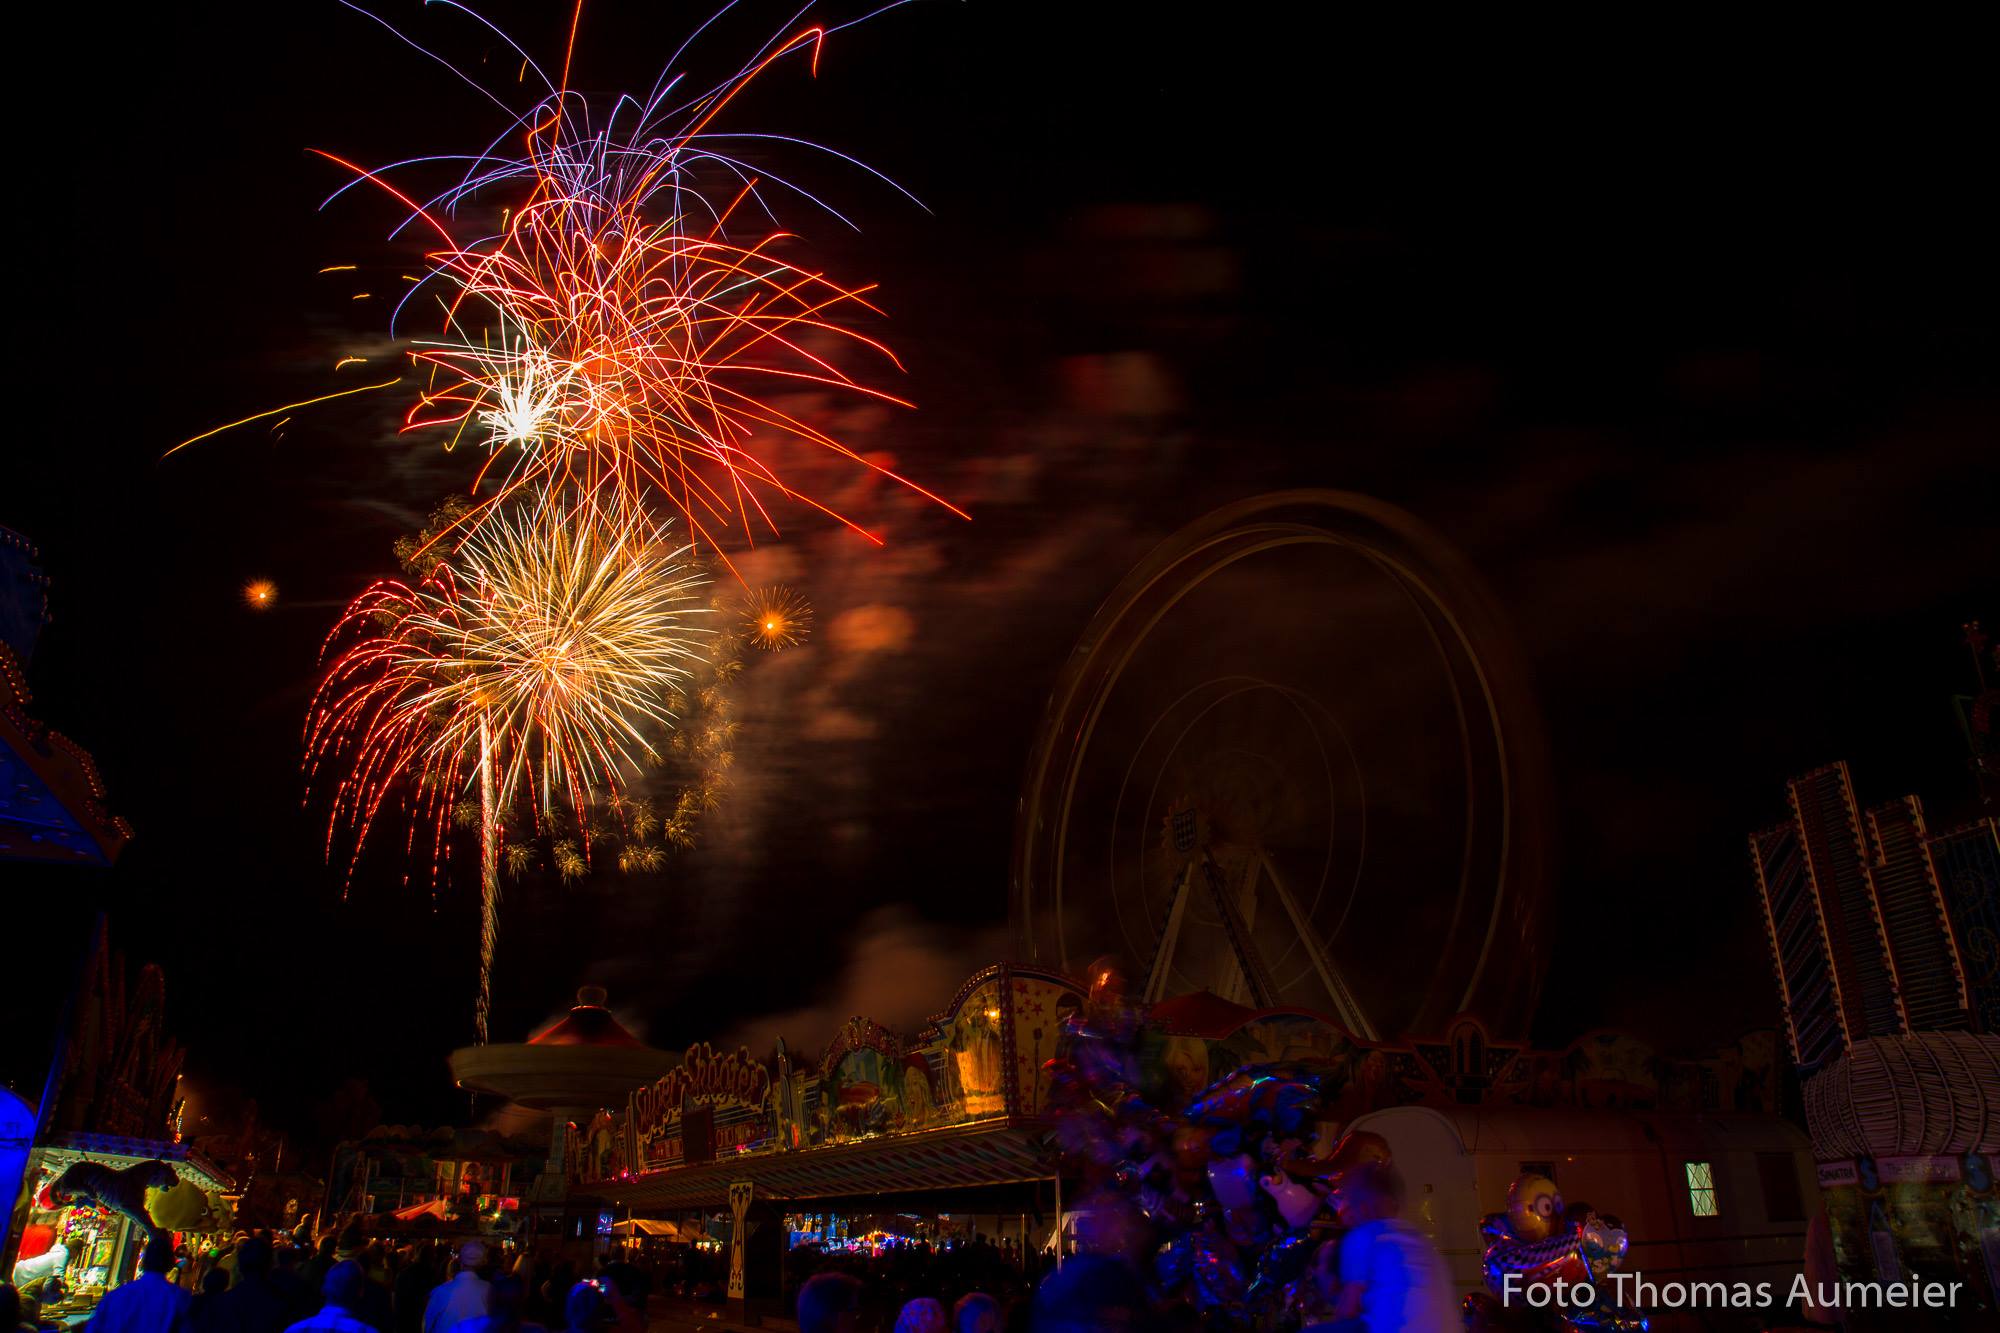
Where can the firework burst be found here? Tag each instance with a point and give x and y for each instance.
(527, 669)
(639, 331)
(776, 618)
(636, 326)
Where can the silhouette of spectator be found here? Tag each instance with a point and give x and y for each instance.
(830, 1303)
(148, 1303)
(412, 1288)
(345, 1288)
(585, 1309)
(10, 1310)
(253, 1303)
(289, 1282)
(976, 1312)
(922, 1315)
(205, 1310)
(506, 1304)
(464, 1297)
(1090, 1293)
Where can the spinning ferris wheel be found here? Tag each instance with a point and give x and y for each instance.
(1294, 761)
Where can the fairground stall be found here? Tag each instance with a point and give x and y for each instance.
(90, 1198)
(107, 1161)
(874, 1139)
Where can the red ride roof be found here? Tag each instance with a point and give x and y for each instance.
(588, 1024)
(1201, 1013)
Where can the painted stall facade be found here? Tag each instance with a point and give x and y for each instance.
(979, 1061)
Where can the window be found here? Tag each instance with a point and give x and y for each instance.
(1701, 1190)
(1779, 1175)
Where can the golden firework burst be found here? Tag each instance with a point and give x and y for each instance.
(777, 618)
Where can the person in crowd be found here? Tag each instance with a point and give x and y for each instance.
(830, 1303)
(300, 1300)
(322, 1260)
(344, 1290)
(506, 1309)
(205, 1310)
(464, 1297)
(226, 1257)
(1090, 1294)
(584, 1310)
(253, 1303)
(148, 1303)
(922, 1315)
(976, 1312)
(561, 1282)
(11, 1320)
(32, 1320)
(376, 1308)
(619, 1282)
(412, 1288)
(1391, 1279)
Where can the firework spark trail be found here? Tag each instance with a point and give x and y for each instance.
(622, 345)
(633, 319)
(524, 667)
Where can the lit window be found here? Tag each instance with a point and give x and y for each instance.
(1701, 1190)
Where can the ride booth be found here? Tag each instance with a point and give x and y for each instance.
(87, 1209)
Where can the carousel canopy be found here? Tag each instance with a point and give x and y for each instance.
(586, 1059)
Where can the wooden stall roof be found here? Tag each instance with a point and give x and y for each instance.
(994, 1153)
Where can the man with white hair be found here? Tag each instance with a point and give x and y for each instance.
(465, 1296)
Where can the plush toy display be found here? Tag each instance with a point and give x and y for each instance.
(123, 1192)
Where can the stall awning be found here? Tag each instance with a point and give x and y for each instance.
(648, 1226)
(434, 1208)
(992, 1154)
(122, 1152)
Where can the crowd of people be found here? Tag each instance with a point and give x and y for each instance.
(276, 1283)
(1379, 1274)
(896, 1287)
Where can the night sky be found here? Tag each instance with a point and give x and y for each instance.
(1685, 338)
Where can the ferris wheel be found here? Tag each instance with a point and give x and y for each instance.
(1294, 760)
